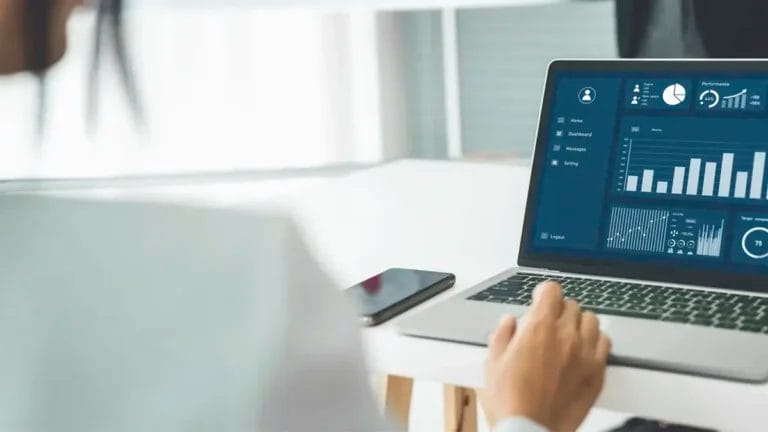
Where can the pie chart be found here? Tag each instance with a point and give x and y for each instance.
(674, 94)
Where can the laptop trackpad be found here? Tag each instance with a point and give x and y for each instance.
(686, 348)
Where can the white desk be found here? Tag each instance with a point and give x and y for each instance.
(465, 218)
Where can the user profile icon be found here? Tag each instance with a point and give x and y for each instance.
(587, 95)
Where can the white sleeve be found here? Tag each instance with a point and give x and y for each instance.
(321, 383)
(127, 317)
(518, 424)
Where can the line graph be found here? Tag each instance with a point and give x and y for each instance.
(642, 230)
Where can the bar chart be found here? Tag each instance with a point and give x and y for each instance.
(710, 240)
(735, 101)
(687, 168)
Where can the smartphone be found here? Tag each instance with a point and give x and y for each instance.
(394, 291)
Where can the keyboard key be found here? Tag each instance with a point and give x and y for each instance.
(675, 318)
(751, 328)
(724, 309)
(749, 314)
(753, 309)
(620, 312)
(655, 310)
(701, 322)
(754, 322)
(676, 306)
(705, 316)
(726, 324)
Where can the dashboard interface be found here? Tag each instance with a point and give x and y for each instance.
(659, 168)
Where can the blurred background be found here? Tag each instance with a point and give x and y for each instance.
(253, 86)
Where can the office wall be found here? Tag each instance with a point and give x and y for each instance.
(503, 54)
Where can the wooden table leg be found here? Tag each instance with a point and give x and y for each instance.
(460, 409)
(397, 398)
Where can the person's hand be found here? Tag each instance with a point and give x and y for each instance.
(551, 369)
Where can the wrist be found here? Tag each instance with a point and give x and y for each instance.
(532, 412)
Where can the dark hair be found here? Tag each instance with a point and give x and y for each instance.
(36, 20)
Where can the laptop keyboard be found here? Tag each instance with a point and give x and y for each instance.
(704, 308)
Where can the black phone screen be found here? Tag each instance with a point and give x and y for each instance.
(390, 287)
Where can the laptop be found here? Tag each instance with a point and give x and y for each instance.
(648, 202)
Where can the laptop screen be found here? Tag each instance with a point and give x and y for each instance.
(656, 165)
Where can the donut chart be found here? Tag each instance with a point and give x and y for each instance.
(750, 239)
(754, 243)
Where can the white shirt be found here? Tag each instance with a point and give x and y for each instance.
(147, 317)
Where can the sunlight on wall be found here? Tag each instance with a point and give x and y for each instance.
(223, 88)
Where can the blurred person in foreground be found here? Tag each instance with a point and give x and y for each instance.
(138, 317)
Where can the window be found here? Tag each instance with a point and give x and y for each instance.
(223, 88)
(501, 56)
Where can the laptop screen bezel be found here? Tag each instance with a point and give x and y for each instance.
(622, 269)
